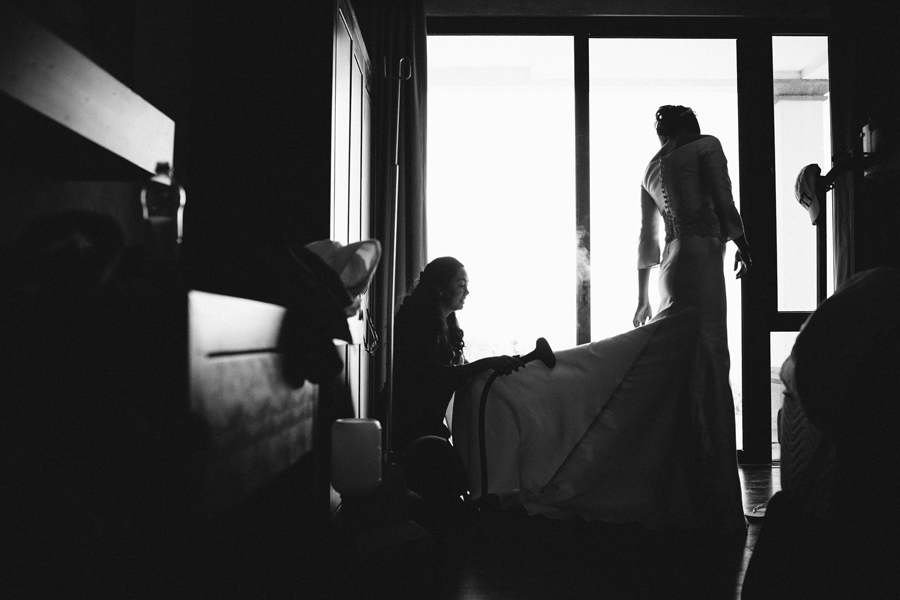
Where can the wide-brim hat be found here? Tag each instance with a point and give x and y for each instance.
(354, 263)
(810, 189)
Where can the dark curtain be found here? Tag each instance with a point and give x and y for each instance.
(397, 30)
(845, 136)
(865, 210)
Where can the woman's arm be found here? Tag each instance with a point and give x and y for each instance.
(503, 364)
(643, 313)
(714, 169)
(648, 255)
(648, 240)
(742, 260)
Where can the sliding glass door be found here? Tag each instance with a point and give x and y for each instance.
(629, 80)
(802, 134)
(537, 146)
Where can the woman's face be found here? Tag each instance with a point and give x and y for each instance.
(453, 296)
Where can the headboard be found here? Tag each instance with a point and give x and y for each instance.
(258, 423)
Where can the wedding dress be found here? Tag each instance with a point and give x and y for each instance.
(638, 427)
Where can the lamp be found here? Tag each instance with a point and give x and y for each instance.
(880, 153)
(162, 204)
(881, 148)
(355, 456)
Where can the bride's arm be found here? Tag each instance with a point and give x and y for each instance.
(648, 255)
(742, 260)
(643, 313)
(648, 240)
(714, 169)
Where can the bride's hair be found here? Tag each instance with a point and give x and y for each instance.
(672, 119)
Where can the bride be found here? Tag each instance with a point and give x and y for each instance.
(638, 427)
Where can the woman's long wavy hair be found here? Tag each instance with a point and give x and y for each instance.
(422, 306)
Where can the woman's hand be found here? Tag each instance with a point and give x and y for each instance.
(504, 365)
(643, 313)
(742, 262)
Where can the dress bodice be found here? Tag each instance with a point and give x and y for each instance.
(681, 217)
(690, 189)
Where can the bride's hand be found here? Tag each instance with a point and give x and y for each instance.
(643, 314)
(742, 263)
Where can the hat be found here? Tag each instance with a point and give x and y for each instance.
(354, 263)
(808, 189)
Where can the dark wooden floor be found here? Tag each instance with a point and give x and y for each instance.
(510, 556)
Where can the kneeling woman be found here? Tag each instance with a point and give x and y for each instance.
(429, 365)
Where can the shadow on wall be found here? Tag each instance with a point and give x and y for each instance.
(119, 200)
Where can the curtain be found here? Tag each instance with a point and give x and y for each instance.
(845, 133)
(398, 30)
(865, 210)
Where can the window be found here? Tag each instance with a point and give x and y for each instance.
(501, 184)
(802, 137)
(629, 80)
